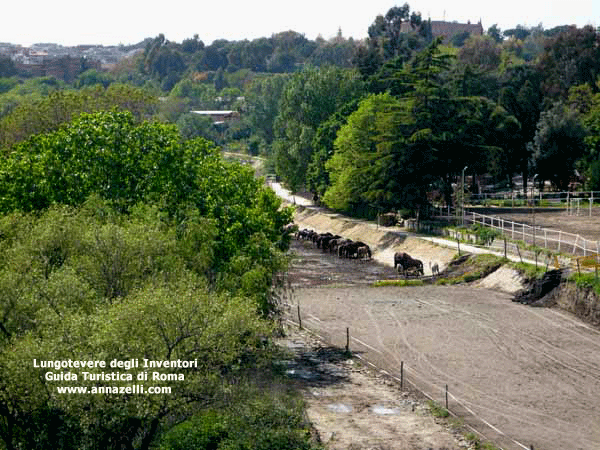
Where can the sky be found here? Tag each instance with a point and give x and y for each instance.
(114, 22)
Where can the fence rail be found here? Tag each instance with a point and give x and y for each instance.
(554, 240)
(575, 203)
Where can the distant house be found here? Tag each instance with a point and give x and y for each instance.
(219, 116)
(449, 29)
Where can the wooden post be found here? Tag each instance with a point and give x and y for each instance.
(401, 374)
(578, 268)
(458, 244)
(347, 340)
(299, 317)
(505, 257)
(446, 396)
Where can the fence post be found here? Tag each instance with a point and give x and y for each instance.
(299, 318)
(347, 340)
(401, 374)
(559, 239)
(446, 397)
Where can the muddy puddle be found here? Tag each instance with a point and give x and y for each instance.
(311, 267)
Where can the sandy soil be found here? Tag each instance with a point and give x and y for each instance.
(584, 225)
(355, 407)
(521, 376)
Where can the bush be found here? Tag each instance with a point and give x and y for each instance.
(205, 430)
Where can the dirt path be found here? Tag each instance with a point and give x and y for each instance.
(522, 376)
(355, 407)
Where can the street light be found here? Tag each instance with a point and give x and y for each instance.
(533, 210)
(462, 188)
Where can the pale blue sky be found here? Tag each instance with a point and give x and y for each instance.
(112, 22)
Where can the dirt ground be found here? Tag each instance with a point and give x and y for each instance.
(521, 376)
(583, 224)
(355, 407)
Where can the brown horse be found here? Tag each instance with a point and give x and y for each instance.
(407, 263)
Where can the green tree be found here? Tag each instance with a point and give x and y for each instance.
(558, 144)
(373, 164)
(521, 95)
(309, 98)
(263, 96)
(495, 33)
(569, 59)
(588, 105)
(480, 51)
(397, 34)
(178, 320)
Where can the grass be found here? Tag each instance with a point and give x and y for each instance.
(586, 281)
(398, 283)
(472, 269)
(437, 411)
(529, 270)
(476, 444)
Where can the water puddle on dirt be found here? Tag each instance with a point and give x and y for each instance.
(302, 373)
(340, 408)
(385, 411)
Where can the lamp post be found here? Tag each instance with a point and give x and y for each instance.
(462, 195)
(533, 207)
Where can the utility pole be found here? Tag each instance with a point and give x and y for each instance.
(462, 188)
(533, 206)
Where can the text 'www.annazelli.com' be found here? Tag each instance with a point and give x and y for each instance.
(134, 389)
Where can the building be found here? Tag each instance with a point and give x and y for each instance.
(219, 116)
(449, 29)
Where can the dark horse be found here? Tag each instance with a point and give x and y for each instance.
(407, 263)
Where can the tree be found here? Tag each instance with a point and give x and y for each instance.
(558, 144)
(263, 96)
(495, 33)
(309, 98)
(480, 51)
(397, 34)
(521, 95)
(374, 164)
(174, 321)
(569, 59)
(588, 105)
(92, 77)
(39, 114)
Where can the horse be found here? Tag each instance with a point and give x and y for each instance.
(407, 263)
(350, 250)
(435, 269)
(363, 253)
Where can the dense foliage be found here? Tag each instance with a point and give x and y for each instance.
(125, 235)
(122, 241)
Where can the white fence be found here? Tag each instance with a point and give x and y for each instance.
(576, 203)
(555, 240)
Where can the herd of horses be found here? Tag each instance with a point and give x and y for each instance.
(334, 243)
(347, 248)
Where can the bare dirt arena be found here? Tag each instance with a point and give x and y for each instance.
(522, 376)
